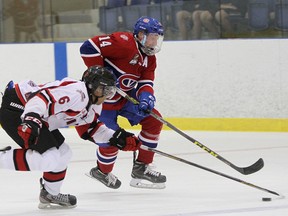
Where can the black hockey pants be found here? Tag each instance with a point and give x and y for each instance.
(10, 112)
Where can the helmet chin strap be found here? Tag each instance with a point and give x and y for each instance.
(93, 99)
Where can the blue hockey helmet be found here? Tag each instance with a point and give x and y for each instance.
(149, 33)
(148, 25)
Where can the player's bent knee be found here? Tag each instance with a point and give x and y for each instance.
(65, 152)
(45, 162)
(151, 124)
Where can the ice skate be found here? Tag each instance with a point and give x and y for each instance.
(49, 201)
(108, 179)
(144, 177)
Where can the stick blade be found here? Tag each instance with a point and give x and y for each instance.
(253, 168)
(7, 148)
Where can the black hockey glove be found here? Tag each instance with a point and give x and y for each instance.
(29, 130)
(124, 140)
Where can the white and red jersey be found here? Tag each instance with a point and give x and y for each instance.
(63, 103)
(120, 52)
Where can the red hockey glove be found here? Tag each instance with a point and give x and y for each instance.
(29, 130)
(125, 141)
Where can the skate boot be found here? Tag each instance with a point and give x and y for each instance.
(49, 201)
(143, 172)
(108, 179)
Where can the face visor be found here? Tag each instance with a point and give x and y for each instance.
(151, 43)
(107, 91)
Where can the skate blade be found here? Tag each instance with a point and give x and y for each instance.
(141, 183)
(88, 174)
(54, 206)
(92, 177)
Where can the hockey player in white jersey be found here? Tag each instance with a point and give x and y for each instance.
(31, 115)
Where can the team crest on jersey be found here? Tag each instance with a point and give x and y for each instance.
(124, 37)
(134, 59)
(82, 95)
(31, 83)
(127, 82)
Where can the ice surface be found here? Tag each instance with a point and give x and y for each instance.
(189, 190)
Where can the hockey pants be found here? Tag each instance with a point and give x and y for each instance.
(149, 135)
(50, 155)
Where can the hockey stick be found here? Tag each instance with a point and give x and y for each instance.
(214, 171)
(244, 170)
(7, 148)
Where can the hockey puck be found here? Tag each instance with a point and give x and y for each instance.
(266, 199)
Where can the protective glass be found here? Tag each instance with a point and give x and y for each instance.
(152, 43)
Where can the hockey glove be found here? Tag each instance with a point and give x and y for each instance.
(146, 103)
(124, 140)
(29, 130)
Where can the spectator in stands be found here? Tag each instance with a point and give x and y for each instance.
(24, 14)
(209, 15)
(204, 17)
(184, 18)
(228, 8)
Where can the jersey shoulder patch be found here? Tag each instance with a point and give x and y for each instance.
(124, 39)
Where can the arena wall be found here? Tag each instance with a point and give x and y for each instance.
(230, 85)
